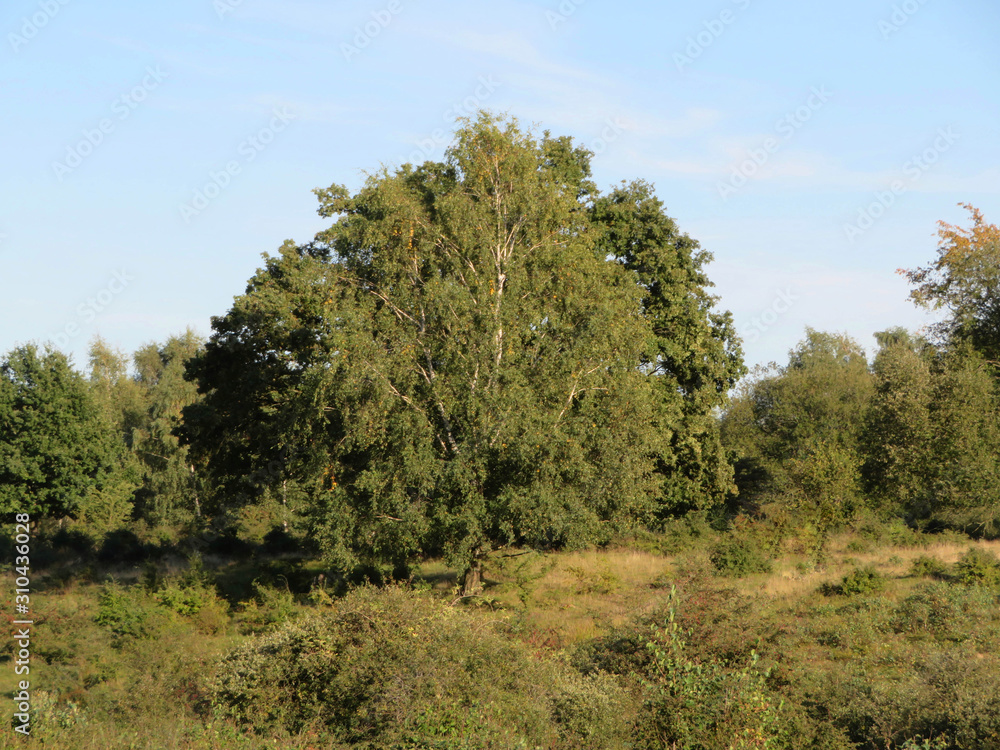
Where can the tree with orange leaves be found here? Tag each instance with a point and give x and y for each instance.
(964, 279)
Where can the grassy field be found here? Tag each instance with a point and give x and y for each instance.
(891, 642)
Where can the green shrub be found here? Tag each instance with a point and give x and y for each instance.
(270, 608)
(122, 546)
(928, 567)
(121, 612)
(593, 581)
(397, 668)
(859, 546)
(978, 568)
(706, 701)
(693, 530)
(48, 712)
(186, 598)
(945, 612)
(893, 533)
(704, 704)
(738, 558)
(862, 581)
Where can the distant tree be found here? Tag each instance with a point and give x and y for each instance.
(478, 353)
(172, 490)
(965, 281)
(55, 446)
(899, 430)
(795, 430)
(965, 446)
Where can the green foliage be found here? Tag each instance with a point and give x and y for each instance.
(52, 715)
(189, 593)
(477, 354)
(943, 611)
(693, 530)
(898, 426)
(105, 509)
(928, 567)
(739, 557)
(704, 704)
(601, 581)
(121, 611)
(270, 608)
(794, 431)
(892, 533)
(55, 447)
(173, 491)
(862, 582)
(524, 571)
(145, 409)
(396, 668)
(964, 279)
(978, 567)
(694, 353)
(965, 447)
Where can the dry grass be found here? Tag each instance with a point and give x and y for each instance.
(789, 579)
(572, 596)
(576, 596)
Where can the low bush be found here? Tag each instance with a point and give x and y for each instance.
(270, 608)
(945, 612)
(397, 668)
(862, 581)
(122, 546)
(121, 611)
(928, 567)
(738, 558)
(892, 533)
(978, 568)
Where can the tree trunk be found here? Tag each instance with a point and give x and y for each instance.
(197, 503)
(284, 504)
(472, 579)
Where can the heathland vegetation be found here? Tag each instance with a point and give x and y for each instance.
(481, 466)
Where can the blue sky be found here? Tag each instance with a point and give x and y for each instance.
(152, 152)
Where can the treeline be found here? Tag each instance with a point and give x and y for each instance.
(480, 353)
(914, 434)
(99, 447)
(489, 352)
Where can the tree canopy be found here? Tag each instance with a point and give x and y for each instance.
(964, 280)
(55, 449)
(795, 429)
(478, 353)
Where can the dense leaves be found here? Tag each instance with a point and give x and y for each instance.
(965, 281)
(478, 353)
(55, 449)
(795, 430)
